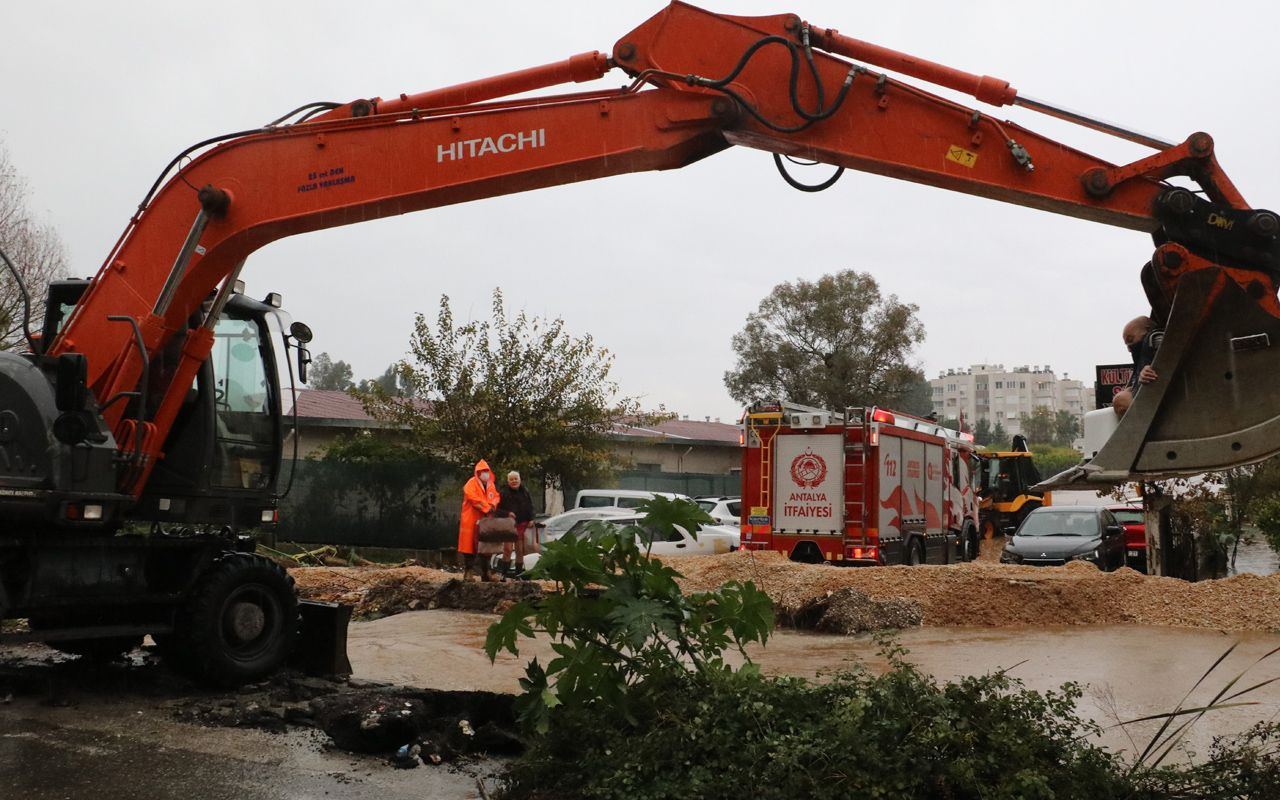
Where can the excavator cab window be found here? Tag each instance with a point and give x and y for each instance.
(245, 425)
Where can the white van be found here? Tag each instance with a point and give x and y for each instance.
(620, 498)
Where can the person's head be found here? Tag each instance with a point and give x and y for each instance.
(513, 479)
(483, 474)
(1134, 330)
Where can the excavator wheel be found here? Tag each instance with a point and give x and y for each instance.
(240, 624)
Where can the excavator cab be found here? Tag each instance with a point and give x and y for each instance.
(222, 457)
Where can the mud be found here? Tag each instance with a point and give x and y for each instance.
(88, 725)
(1130, 671)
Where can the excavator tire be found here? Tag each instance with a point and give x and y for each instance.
(240, 624)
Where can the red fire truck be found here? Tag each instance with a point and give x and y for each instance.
(871, 487)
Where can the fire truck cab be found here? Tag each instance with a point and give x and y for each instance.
(870, 487)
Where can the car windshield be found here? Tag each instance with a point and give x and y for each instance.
(707, 505)
(1058, 523)
(1128, 516)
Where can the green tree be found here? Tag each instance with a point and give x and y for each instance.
(391, 382)
(522, 393)
(982, 433)
(834, 343)
(32, 247)
(325, 373)
(1039, 425)
(1000, 439)
(1066, 428)
(919, 398)
(385, 485)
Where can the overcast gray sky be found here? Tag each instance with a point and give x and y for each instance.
(661, 268)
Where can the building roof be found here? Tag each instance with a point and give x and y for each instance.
(330, 404)
(335, 408)
(683, 430)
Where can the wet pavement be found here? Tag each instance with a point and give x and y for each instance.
(117, 737)
(106, 732)
(1255, 556)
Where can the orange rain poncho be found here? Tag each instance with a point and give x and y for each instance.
(478, 500)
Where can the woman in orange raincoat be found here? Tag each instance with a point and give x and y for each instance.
(479, 499)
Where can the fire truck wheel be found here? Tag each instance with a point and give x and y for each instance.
(915, 553)
(971, 544)
(241, 623)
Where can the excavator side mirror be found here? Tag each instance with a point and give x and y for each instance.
(304, 358)
(71, 375)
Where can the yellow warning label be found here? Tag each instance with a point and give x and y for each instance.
(961, 156)
(759, 511)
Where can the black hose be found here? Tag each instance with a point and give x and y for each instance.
(26, 301)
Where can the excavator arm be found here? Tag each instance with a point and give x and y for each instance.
(701, 82)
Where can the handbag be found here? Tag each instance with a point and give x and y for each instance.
(496, 529)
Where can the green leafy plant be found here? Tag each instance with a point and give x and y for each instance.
(619, 623)
(640, 704)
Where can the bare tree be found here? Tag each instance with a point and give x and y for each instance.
(34, 249)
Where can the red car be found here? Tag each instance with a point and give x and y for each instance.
(1135, 535)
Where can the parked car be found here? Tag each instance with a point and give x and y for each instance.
(1054, 535)
(1135, 534)
(620, 498)
(724, 510)
(554, 527)
(711, 539)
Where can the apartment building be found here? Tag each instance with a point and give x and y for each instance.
(1000, 395)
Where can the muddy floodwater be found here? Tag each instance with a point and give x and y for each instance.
(1130, 671)
(112, 733)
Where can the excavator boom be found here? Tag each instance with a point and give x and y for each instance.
(701, 82)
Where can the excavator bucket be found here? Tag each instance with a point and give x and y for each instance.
(1216, 403)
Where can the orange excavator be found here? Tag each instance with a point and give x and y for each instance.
(141, 435)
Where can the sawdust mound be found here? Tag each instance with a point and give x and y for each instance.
(981, 593)
(1002, 595)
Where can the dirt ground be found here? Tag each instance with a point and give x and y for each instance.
(983, 593)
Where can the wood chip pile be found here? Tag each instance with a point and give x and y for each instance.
(1001, 595)
(982, 593)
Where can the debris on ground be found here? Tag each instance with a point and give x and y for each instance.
(380, 591)
(436, 726)
(850, 611)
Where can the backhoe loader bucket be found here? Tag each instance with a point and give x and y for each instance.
(1216, 403)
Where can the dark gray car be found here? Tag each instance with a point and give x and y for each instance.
(1052, 536)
